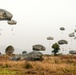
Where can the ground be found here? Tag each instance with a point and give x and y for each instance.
(51, 65)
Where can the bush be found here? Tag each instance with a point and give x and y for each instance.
(28, 66)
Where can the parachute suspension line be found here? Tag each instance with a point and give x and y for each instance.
(12, 29)
(49, 45)
(0, 34)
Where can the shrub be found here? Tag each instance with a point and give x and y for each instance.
(27, 66)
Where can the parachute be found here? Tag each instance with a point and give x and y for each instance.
(61, 42)
(12, 22)
(5, 15)
(38, 47)
(50, 38)
(62, 28)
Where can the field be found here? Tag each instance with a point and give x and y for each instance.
(51, 65)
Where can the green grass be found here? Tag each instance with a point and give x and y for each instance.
(6, 71)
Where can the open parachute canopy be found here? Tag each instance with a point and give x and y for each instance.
(75, 30)
(62, 28)
(50, 38)
(61, 42)
(38, 47)
(72, 34)
(72, 51)
(5, 15)
(12, 22)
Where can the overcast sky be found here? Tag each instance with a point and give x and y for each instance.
(36, 20)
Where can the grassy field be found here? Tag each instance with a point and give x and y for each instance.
(51, 65)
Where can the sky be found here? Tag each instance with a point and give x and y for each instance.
(36, 20)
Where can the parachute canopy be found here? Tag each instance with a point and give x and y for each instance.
(12, 22)
(50, 38)
(62, 42)
(62, 28)
(38, 47)
(75, 30)
(24, 52)
(71, 34)
(5, 15)
(34, 55)
(75, 37)
(15, 58)
(72, 52)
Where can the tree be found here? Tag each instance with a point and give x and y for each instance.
(56, 48)
(9, 50)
